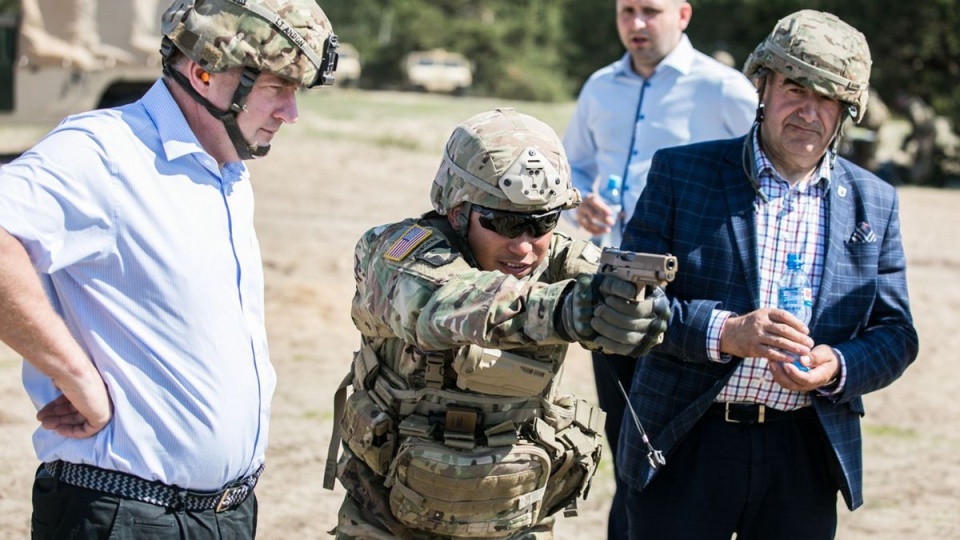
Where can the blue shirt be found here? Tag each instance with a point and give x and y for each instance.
(621, 119)
(147, 250)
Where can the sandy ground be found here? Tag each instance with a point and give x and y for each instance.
(359, 159)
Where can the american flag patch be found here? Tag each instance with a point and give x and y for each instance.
(403, 246)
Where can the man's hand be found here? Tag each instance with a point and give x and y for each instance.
(765, 333)
(627, 326)
(823, 364)
(595, 216)
(29, 325)
(81, 411)
(601, 313)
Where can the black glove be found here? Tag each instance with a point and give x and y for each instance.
(627, 326)
(599, 312)
(575, 311)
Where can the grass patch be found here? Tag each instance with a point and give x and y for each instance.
(405, 121)
(382, 106)
(321, 415)
(392, 141)
(891, 432)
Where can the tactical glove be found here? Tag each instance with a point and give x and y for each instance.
(575, 311)
(599, 312)
(627, 326)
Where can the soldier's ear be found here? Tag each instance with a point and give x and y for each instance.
(453, 216)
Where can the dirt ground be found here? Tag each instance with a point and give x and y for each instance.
(358, 159)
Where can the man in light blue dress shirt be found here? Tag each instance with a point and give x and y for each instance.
(661, 93)
(131, 281)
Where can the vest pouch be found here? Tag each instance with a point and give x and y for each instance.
(501, 373)
(571, 479)
(485, 492)
(575, 450)
(368, 431)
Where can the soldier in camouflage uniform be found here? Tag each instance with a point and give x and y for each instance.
(455, 427)
(756, 408)
(147, 358)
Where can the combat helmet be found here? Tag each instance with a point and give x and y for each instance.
(292, 39)
(820, 52)
(504, 160)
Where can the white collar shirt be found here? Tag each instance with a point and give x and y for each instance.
(147, 250)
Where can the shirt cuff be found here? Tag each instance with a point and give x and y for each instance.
(835, 386)
(717, 319)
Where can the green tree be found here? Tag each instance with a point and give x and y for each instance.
(915, 46)
(513, 45)
(545, 49)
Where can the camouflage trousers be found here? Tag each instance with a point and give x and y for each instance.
(353, 523)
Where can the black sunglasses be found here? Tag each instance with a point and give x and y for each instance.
(513, 224)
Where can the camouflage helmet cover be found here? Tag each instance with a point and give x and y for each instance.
(289, 38)
(820, 52)
(504, 160)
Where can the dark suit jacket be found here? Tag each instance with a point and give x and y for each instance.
(699, 205)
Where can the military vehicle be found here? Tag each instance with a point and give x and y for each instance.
(438, 70)
(348, 66)
(59, 57)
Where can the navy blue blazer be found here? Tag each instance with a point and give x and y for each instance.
(699, 205)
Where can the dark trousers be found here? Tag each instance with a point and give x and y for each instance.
(607, 371)
(766, 481)
(65, 512)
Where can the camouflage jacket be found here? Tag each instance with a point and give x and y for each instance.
(428, 298)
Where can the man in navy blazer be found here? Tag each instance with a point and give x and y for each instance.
(752, 443)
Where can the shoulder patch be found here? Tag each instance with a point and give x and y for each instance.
(436, 252)
(408, 241)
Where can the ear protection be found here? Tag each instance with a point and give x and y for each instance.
(205, 77)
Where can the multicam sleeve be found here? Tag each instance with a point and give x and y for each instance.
(571, 257)
(490, 309)
(433, 298)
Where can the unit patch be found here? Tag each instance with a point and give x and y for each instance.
(408, 241)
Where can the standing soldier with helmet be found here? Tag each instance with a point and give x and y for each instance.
(755, 445)
(456, 427)
(131, 281)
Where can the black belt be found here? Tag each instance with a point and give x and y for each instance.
(133, 487)
(753, 413)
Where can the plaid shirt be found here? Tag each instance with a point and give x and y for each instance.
(791, 220)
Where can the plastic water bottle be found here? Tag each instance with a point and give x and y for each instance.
(611, 196)
(795, 295)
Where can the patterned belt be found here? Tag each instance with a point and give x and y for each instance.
(132, 487)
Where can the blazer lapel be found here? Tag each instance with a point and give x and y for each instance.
(840, 208)
(743, 221)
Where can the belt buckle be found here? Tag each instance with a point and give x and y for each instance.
(225, 499)
(761, 414)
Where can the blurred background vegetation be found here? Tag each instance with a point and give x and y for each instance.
(543, 50)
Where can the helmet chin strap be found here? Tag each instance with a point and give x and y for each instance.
(835, 143)
(463, 219)
(228, 117)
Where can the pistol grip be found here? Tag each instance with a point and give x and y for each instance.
(641, 291)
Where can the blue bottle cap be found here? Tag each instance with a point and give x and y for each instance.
(794, 262)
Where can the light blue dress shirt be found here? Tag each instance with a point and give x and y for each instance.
(147, 250)
(621, 119)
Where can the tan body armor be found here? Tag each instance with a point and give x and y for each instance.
(469, 441)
